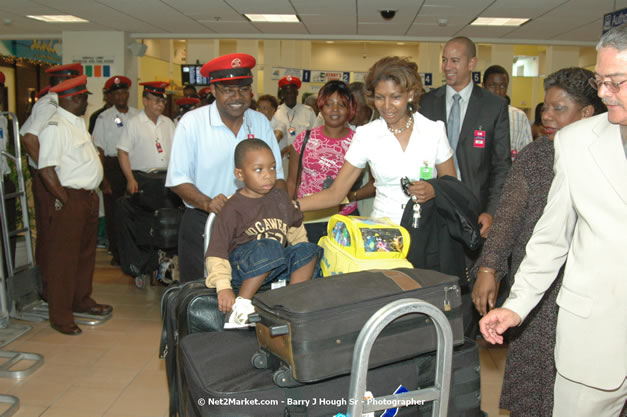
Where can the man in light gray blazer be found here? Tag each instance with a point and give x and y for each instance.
(585, 222)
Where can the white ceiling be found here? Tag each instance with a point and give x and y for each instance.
(553, 21)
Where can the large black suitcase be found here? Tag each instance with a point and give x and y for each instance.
(312, 327)
(218, 381)
(185, 309)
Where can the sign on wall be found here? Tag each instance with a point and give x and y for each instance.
(611, 20)
(96, 66)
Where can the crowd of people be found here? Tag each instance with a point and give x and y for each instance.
(548, 198)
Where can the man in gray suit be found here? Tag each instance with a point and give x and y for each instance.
(585, 220)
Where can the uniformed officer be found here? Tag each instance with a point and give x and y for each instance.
(147, 138)
(291, 118)
(185, 104)
(144, 146)
(205, 96)
(109, 127)
(70, 168)
(42, 111)
(201, 167)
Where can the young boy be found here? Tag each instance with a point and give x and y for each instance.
(258, 237)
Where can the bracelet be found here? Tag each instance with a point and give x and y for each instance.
(355, 196)
(487, 271)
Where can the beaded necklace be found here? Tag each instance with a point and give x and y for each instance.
(410, 121)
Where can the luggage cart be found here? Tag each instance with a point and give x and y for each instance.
(438, 393)
(24, 285)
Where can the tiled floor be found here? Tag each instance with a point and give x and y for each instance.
(113, 370)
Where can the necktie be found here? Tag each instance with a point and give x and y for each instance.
(454, 123)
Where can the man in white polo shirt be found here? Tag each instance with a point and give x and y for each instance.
(70, 169)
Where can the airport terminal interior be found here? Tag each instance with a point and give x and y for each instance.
(113, 369)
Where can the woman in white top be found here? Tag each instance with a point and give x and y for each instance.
(401, 143)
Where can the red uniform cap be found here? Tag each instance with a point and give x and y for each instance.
(229, 67)
(289, 80)
(71, 87)
(117, 82)
(203, 92)
(156, 88)
(2, 78)
(66, 71)
(43, 92)
(187, 101)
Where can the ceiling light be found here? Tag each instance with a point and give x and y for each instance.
(330, 41)
(58, 18)
(400, 43)
(272, 18)
(499, 21)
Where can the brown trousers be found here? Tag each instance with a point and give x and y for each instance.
(70, 255)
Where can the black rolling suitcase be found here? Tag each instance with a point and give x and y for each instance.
(312, 327)
(218, 381)
(185, 309)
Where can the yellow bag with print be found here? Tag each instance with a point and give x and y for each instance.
(355, 243)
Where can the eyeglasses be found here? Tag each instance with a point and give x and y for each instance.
(232, 91)
(612, 86)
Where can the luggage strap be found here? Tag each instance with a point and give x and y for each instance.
(404, 281)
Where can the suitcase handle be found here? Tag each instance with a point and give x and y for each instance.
(254, 318)
(438, 393)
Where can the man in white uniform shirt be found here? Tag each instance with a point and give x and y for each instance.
(291, 118)
(107, 132)
(44, 108)
(147, 138)
(202, 165)
(144, 146)
(70, 169)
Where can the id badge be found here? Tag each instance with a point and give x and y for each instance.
(479, 141)
(250, 136)
(426, 172)
(118, 122)
(291, 131)
(514, 154)
(159, 148)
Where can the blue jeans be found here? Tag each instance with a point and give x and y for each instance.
(258, 257)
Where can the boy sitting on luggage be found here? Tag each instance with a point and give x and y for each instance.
(258, 237)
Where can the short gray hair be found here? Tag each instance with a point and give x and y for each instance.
(614, 38)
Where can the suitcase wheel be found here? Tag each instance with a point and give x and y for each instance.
(260, 360)
(141, 281)
(283, 378)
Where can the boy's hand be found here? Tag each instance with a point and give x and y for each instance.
(226, 299)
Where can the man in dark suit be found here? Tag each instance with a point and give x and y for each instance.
(482, 151)
(477, 124)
